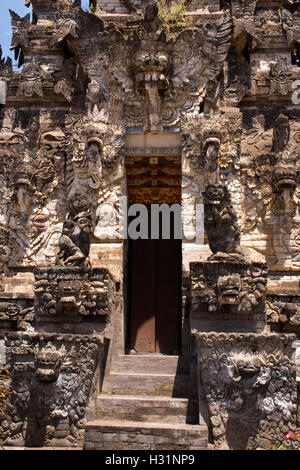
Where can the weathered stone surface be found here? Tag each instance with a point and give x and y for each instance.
(52, 377)
(239, 287)
(201, 109)
(73, 292)
(250, 385)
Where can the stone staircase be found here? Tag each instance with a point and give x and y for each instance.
(145, 404)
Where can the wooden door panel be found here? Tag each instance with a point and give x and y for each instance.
(155, 290)
(167, 298)
(142, 295)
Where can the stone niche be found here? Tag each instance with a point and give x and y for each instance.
(249, 384)
(228, 296)
(73, 294)
(53, 377)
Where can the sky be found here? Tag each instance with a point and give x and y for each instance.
(5, 23)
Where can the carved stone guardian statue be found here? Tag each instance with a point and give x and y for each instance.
(220, 222)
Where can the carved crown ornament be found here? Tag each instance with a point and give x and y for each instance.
(156, 78)
(95, 140)
(212, 143)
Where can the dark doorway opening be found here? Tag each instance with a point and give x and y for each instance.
(154, 268)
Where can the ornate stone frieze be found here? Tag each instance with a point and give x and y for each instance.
(72, 292)
(249, 385)
(240, 287)
(160, 78)
(36, 180)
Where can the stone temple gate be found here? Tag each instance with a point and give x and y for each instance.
(122, 343)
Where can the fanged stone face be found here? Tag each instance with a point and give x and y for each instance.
(47, 366)
(151, 66)
(69, 295)
(229, 288)
(248, 366)
(285, 176)
(78, 203)
(215, 194)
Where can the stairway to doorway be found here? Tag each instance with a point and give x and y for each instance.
(146, 404)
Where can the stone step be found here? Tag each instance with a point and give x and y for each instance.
(147, 409)
(169, 385)
(152, 363)
(120, 435)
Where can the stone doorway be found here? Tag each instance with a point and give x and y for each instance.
(154, 265)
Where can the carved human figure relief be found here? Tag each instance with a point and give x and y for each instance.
(107, 222)
(94, 150)
(93, 96)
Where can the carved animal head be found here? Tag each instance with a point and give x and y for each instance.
(151, 64)
(247, 366)
(69, 294)
(78, 202)
(47, 365)
(250, 370)
(285, 176)
(216, 194)
(229, 288)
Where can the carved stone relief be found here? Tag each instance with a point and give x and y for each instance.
(220, 217)
(249, 382)
(224, 83)
(51, 380)
(241, 287)
(269, 162)
(72, 292)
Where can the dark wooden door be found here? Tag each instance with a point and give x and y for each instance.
(154, 298)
